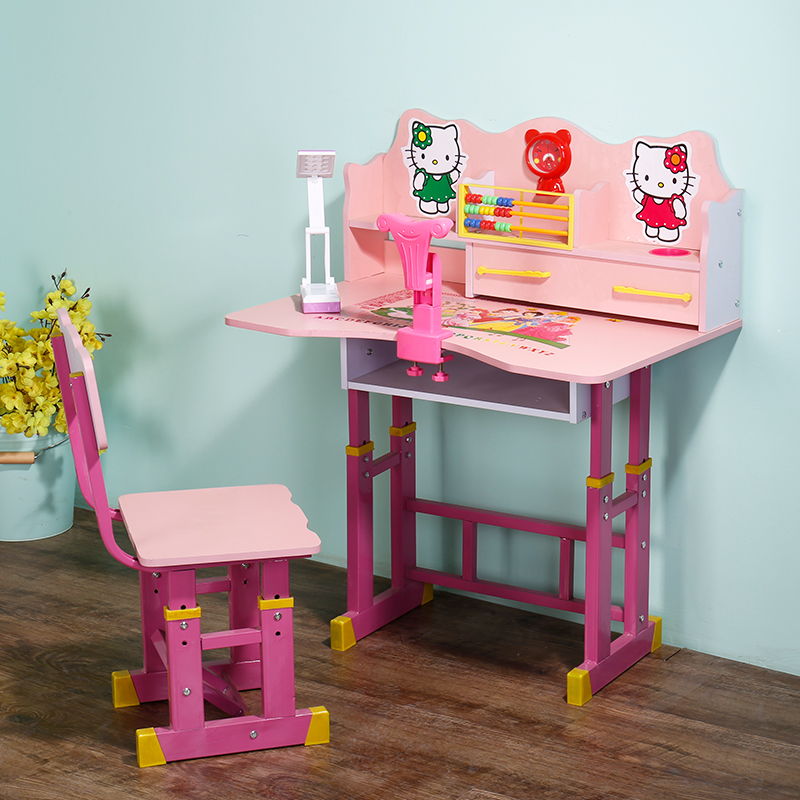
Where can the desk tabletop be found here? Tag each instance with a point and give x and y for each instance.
(559, 344)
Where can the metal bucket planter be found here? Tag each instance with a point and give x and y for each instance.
(37, 486)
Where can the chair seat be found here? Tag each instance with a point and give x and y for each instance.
(215, 526)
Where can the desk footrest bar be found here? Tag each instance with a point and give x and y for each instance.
(500, 590)
(505, 591)
(513, 521)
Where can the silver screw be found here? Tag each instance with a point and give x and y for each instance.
(408, 439)
(644, 492)
(187, 691)
(641, 617)
(254, 734)
(245, 566)
(366, 474)
(184, 625)
(605, 517)
(644, 545)
(608, 384)
(644, 477)
(719, 264)
(605, 499)
(277, 616)
(408, 455)
(156, 574)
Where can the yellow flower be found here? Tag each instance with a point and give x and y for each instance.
(67, 287)
(30, 398)
(13, 422)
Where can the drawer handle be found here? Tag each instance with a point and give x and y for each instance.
(686, 296)
(520, 273)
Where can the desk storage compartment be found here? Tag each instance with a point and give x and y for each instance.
(666, 293)
(373, 366)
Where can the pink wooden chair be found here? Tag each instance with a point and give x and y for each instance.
(253, 531)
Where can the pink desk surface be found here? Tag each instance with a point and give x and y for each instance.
(596, 348)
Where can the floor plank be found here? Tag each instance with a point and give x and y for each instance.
(458, 700)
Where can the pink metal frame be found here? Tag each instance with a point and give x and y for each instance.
(605, 657)
(260, 637)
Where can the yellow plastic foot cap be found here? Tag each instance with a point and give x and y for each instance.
(579, 687)
(656, 633)
(123, 692)
(319, 731)
(148, 750)
(427, 593)
(343, 636)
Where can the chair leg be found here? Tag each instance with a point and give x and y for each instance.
(277, 641)
(244, 669)
(280, 724)
(148, 684)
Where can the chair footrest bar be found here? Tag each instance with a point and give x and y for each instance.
(209, 585)
(234, 638)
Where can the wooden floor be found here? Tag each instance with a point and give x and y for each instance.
(458, 700)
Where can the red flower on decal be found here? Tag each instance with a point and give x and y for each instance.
(675, 159)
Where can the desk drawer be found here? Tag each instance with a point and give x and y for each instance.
(613, 287)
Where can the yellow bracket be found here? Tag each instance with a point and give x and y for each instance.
(123, 692)
(519, 273)
(343, 636)
(638, 469)
(148, 750)
(579, 687)
(319, 729)
(181, 613)
(410, 428)
(599, 483)
(427, 593)
(360, 451)
(278, 602)
(686, 296)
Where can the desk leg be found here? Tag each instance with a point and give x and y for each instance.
(604, 660)
(366, 613)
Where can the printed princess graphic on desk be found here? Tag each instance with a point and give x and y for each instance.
(546, 326)
(435, 162)
(661, 183)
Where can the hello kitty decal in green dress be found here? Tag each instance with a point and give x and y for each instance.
(661, 184)
(435, 161)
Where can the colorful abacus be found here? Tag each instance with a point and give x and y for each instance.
(479, 212)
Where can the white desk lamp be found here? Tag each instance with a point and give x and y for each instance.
(317, 298)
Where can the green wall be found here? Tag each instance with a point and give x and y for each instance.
(149, 148)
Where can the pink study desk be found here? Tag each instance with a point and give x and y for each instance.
(558, 310)
(607, 359)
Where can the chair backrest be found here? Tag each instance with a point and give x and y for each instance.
(86, 428)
